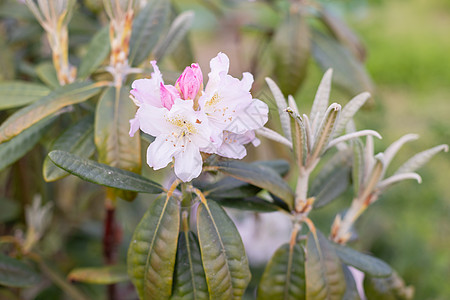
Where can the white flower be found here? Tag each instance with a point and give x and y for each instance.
(179, 132)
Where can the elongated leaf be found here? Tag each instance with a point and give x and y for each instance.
(324, 275)
(223, 254)
(20, 93)
(100, 275)
(351, 291)
(96, 53)
(321, 99)
(178, 30)
(420, 159)
(10, 210)
(291, 47)
(358, 165)
(78, 139)
(189, 278)
(152, 252)
(264, 178)
(349, 111)
(349, 73)
(393, 149)
(230, 187)
(343, 33)
(16, 273)
(366, 263)
(299, 142)
(325, 130)
(282, 105)
(147, 28)
(115, 146)
(19, 145)
(333, 179)
(102, 174)
(47, 73)
(274, 136)
(390, 288)
(252, 203)
(284, 276)
(44, 107)
(351, 136)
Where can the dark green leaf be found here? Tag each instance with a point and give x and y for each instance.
(114, 144)
(333, 179)
(96, 53)
(100, 275)
(284, 276)
(78, 139)
(20, 93)
(292, 51)
(223, 254)
(351, 291)
(47, 73)
(152, 252)
(19, 145)
(248, 203)
(16, 273)
(262, 177)
(10, 210)
(366, 263)
(189, 278)
(324, 275)
(147, 28)
(389, 288)
(280, 166)
(102, 174)
(44, 107)
(349, 74)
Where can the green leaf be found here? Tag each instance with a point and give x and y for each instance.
(7, 66)
(223, 254)
(189, 278)
(102, 174)
(420, 159)
(26, 117)
(351, 291)
(358, 165)
(284, 276)
(177, 32)
(299, 139)
(96, 53)
(324, 132)
(389, 288)
(100, 275)
(343, 33)
(363, 262)
(281, 102)
(78, 139)
(291, 46)
(114, 144)
(321, 99)
(47, 73)
(10, 210)
(19, 145)
(20, 93)
(16, 273)
(349, 73)
(152, 252)
(230, 187)
(259, 176)
(147, 28)
(332, 180)
(324, 275)
(252, 203)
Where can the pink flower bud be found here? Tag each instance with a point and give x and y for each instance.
(190, 82)
(168, 95)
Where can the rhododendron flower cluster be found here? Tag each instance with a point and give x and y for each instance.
(186, 119)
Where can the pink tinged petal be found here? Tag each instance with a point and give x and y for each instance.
(219, 67)
(153, 120)
(190, 82)
(134, 125)
(156, 73)
(188, 162)
(146, 91)
(168, 95)
(161, 152)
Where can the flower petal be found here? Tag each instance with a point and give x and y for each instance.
(160, 152)
(153, 119)
(134, 125)
(188, 163)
